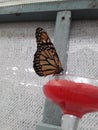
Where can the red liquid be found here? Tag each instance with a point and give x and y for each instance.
(73, 98)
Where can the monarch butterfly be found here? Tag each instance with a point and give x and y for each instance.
(46, 60)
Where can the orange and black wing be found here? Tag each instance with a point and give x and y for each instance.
(42, 37)
(46, 62)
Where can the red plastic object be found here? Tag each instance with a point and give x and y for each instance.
(73, 98)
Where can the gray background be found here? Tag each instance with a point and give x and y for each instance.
(21, 97)
(16, 2)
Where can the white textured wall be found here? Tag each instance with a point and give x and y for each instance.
(21, 96)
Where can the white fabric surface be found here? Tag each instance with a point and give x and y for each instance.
(21, 96)
(83, 49)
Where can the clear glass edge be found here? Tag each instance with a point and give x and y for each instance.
(75, 78)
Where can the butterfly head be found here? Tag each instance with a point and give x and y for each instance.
(59, 70)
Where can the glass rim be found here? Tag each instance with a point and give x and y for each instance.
(76, 79)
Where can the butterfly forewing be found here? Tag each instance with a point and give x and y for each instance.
(46, 60)
(42, 37)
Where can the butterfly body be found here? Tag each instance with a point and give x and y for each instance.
(46, 60)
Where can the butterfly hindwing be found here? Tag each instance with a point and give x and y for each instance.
(46, 60)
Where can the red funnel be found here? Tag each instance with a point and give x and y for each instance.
(73, 98)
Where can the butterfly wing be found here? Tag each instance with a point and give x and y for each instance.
(42, 37)
(46, 60)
